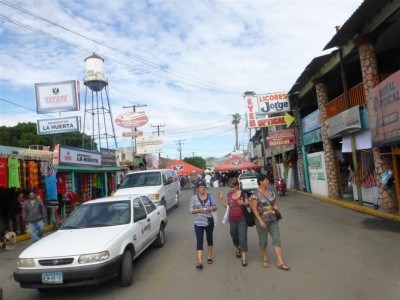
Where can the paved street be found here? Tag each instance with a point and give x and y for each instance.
(333, 252)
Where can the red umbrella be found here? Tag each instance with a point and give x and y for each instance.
(236, 163)
(183, 168)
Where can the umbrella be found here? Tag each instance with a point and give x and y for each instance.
(236, 163)
(183, 168)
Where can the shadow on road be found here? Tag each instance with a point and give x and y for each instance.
(381, 224)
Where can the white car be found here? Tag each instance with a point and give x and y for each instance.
(161, 186)
(97, 242)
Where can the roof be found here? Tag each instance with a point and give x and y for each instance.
(358, 19)
(183, 168)
(236, 163)
(312, 68)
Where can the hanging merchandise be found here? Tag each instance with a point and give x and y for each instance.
(13, 172)
(61, 183)
(22, 175)
(51, 187)
(366, 169)
(33, 171)
(3, 172)
(387, 178)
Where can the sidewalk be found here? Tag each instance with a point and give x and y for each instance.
(354, 206)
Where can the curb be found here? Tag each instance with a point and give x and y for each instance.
(353, 206)
(27, 236)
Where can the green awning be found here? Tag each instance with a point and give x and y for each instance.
(86, 169)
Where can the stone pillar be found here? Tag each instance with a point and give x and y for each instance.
(297, 134)
(330, 161)
(369, 69)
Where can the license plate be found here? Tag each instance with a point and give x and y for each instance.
(52, 278)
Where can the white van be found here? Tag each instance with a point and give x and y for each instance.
(161, 186)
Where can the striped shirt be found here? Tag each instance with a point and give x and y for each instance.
(201, 219)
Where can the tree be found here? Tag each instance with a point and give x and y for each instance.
(196, 161)
(25, 134)
(235, 122)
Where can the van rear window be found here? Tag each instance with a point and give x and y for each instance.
(141, 179)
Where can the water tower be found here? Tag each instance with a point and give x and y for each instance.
(97, 118)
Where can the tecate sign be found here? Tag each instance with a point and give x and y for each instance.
(132, 120)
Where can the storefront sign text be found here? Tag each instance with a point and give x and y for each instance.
(312, 137)
(64, 155)
(345, 122)
(273, 103)
(311, 122)
(59, 125)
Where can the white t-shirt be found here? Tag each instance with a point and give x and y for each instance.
(207, 178)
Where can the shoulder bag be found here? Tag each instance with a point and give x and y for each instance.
(249, 216)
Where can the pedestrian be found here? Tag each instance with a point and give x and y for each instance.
(201, 206)
(34, 214)
(21, 202)
(237, 201)
(207, 178)
(265, 206)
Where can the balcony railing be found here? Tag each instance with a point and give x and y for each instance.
(356, 95)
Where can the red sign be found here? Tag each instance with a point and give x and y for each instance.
(132, 120)
(281, 141)
(132, 133)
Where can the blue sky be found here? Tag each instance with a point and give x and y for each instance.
(189, 61)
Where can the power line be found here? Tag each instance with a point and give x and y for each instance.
(195, 80)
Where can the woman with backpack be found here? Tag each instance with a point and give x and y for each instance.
(237, 201)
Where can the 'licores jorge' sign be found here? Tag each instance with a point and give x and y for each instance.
(273, 103)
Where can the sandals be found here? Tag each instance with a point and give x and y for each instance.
(210, 261)
(199, 266)
(244, 263)
(283, 267)
(238, 254)
(265, 264)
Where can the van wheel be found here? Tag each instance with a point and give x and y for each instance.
(177, 200)
(126, 271)
(160, 240)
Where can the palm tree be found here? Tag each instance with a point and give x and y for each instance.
(236, 121)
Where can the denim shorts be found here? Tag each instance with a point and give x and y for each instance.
(273, 230)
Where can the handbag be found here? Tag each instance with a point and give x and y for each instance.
(278, 214)
(249, 216)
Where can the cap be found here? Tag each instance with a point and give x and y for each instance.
(201, 183)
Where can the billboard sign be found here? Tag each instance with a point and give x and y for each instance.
(384, 111)
(109, 157)
(70, 156)
(273, 103)
(346, 122)
(57, 96)
(146, 145)
(132, 120)
(58, 125)
(311, 122)
(281, 138)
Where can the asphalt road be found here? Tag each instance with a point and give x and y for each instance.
(333, 252)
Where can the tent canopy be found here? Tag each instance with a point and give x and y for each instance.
(236, 163)
(183, 168)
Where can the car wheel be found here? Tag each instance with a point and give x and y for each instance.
(177, 200)
(126, 271)
(160, 240)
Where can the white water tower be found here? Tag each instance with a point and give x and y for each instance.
(97, 120)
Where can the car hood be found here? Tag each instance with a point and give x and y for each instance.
(74, 242)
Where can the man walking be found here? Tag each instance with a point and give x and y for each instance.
(34, 213)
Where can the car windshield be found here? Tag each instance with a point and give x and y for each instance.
(99, 215)
(248, 175)
(141, 179)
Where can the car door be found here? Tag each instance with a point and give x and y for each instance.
(170, 192)
(141, 231)
(153, 214)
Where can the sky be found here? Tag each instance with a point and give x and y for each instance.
(188, 61)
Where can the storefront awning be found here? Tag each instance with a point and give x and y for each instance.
(86, 169)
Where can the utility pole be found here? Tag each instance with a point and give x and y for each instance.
(193, 154)
(179, 143)
(134, 129)
(158, 133)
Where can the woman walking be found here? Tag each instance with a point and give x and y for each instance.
(201, 206)
(237, 201)
(265, 208)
